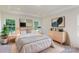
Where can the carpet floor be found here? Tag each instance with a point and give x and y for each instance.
(5, 48)
(70, 50)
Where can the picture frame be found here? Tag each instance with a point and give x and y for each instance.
(58, 22)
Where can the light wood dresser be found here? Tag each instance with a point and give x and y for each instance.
(58, 36)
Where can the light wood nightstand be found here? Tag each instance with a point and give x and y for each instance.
(11, 39)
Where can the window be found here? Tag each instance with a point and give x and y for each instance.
(36, 24)
(10, 23)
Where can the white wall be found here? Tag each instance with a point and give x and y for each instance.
(70, 24)
(46, 25)
(0, 26)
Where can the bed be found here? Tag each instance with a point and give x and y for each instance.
(33, 43)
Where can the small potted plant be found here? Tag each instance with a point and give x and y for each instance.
(4, 32)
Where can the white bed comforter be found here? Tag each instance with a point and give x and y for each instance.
(33, 43)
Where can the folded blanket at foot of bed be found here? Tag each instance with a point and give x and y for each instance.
(33, 44)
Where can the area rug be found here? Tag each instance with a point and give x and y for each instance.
(70, 50)
(5, 48)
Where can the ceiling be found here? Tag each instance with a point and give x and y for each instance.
(35, 10)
